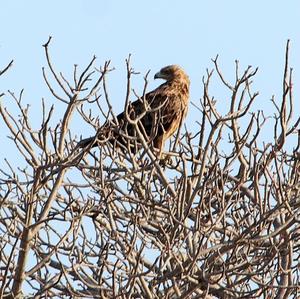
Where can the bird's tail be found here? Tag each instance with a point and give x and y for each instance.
(87, 142)
(103, 135)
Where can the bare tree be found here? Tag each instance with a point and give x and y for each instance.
(217, 217)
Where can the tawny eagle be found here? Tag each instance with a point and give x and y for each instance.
(159, 113)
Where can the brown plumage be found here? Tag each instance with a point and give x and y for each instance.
(160, 115)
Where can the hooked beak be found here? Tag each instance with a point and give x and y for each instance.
(158, 75)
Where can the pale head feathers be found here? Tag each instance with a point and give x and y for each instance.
(172, 73)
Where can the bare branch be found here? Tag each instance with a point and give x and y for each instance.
(215, 217)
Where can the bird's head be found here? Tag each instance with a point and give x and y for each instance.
(170, 73)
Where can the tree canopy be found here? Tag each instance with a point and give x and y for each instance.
(217, 216)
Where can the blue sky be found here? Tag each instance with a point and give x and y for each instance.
(156, 33)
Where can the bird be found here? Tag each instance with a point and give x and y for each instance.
(157, 115)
